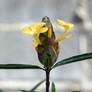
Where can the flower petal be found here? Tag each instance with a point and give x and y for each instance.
(27, 30)
(35, 28)
(69, 36)
(42, 30)
(35, 45)
(36, 38)
(66, 26)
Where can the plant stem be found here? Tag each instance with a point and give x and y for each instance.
(47, 80)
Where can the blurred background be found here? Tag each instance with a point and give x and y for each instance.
(17, 48)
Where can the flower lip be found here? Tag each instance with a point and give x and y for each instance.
(67, 26)
(35, 28)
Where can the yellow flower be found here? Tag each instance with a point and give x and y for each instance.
(35, 30)
(41, 27)
(45, 43)
(67, 27)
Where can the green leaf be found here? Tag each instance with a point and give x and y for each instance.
(19, 66)
(75, 91)
(37, 85)
(74, 59)
(26, 91)
(53, 89)
(1, 90)
(34, 88)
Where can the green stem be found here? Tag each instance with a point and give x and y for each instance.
(47, 80)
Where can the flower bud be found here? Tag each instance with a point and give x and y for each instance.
(46, 44)
(47, 51)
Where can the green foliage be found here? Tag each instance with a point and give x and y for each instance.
(73, 59)
(34, 88)
(19, 66)
(1, 90)
(24, 91)
(53, 89)
(37, 85)
(75, 91)
(27, 91)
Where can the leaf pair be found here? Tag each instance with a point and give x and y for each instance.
(60, 63)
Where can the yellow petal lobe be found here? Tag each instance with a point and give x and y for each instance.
(36, 38)
(69, 36)
(27, 30)
(67, 27)
(35, 30)
(35, 45)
